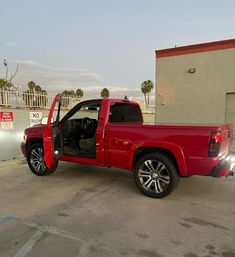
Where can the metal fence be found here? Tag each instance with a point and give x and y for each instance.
(19, 99)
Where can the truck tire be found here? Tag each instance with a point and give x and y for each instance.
(36, 161)
(156, 175)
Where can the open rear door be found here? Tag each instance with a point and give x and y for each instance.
(51, 137)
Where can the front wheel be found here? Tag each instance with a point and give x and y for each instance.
(156, 175)
(36, 161)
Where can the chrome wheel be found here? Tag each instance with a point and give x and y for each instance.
(37, 159)
(154, 176)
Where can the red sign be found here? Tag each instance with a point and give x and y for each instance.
(6, 120)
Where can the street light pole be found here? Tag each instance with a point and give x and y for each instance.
(5, 64)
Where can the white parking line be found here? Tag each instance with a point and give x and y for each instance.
(29, 245)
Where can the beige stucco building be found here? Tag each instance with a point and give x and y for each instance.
(196, 83)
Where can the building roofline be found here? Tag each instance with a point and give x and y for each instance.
(197, 48)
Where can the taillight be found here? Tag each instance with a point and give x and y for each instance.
(214, 144)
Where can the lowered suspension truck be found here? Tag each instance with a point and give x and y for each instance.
(111, 132)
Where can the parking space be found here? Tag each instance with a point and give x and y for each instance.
(93, 211)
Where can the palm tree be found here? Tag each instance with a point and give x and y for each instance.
(2, 87)
(3, 83)
(65, 100)
(35, 95)
(64, 93)
(38, 89)
(144, 91)
(146, 88)
(150, 87)
(43, 97)
(79, 93)
(104, 93)
(31, 86)
(67, 94)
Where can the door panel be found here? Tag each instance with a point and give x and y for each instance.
(118, 145)
(230, 113)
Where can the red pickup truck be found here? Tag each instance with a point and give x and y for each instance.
(111, 132)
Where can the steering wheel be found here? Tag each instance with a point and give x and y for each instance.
(87, 126)
(86, 122)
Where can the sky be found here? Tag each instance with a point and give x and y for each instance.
(71, 44)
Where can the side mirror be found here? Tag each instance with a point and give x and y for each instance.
(45, 119)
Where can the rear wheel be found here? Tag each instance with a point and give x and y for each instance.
(156, 175)
(36, 161)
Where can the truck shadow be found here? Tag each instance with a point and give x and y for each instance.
(193, 188)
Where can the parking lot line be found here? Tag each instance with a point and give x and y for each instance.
(29, 245)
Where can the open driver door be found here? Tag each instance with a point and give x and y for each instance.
(51, 137)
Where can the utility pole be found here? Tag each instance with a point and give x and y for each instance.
(5, 64)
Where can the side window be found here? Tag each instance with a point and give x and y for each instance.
(125, 112)
(87, 111)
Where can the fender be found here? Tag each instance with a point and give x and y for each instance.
(171, 147)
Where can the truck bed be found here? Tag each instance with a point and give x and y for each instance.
(191, 141)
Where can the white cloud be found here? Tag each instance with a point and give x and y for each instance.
(27, 62)
(90, 77)
(47, 67)
(11, 44)
(52, 77)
